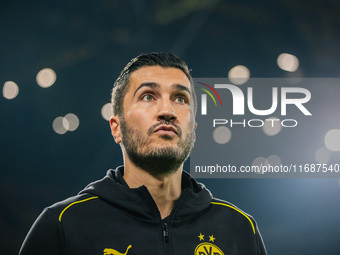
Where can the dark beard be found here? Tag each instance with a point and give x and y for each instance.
(156, 161)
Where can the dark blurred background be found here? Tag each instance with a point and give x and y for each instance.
(87, 43)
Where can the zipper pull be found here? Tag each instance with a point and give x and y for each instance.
(166, 232)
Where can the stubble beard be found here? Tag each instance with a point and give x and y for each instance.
(156, 160)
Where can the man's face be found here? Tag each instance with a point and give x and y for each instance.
(157, 126)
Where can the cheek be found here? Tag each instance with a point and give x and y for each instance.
(187, 120)
(137, 116)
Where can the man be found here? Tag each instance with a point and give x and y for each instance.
(149, 205)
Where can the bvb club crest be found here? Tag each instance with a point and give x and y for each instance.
(207, 248)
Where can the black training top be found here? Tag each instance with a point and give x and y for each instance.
(108, 217)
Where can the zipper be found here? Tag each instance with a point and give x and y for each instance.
(166, 232)
(165, 224)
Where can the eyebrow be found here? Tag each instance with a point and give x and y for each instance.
(157, 86)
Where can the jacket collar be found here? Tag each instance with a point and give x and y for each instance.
(138, 202)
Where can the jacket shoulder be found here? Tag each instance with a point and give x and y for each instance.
(59, 209)
(234, 212)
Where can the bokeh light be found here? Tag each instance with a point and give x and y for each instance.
(272, 127)
(322, 155)
(59, 125)
(69, 122)
(239, 75)
(106, 111)
(72, 120)
(288, 62)
(274, 160)
(10, 90)
(332, 140)
(222, 135)
(46, 78)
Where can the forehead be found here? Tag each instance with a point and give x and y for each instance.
(163, 76)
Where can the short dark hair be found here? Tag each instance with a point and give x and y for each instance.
(162, 59)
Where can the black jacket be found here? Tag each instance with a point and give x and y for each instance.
(108, 217)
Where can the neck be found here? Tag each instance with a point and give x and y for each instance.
(165, 190)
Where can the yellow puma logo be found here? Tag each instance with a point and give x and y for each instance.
(108, 251)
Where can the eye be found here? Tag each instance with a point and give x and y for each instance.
(148, 98)
(181, 100)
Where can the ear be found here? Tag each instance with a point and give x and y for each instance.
(115, 128)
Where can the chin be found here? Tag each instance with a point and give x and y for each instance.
(165, 147)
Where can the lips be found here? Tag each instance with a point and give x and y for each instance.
(166, 130)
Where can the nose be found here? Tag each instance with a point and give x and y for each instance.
(166, 111)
